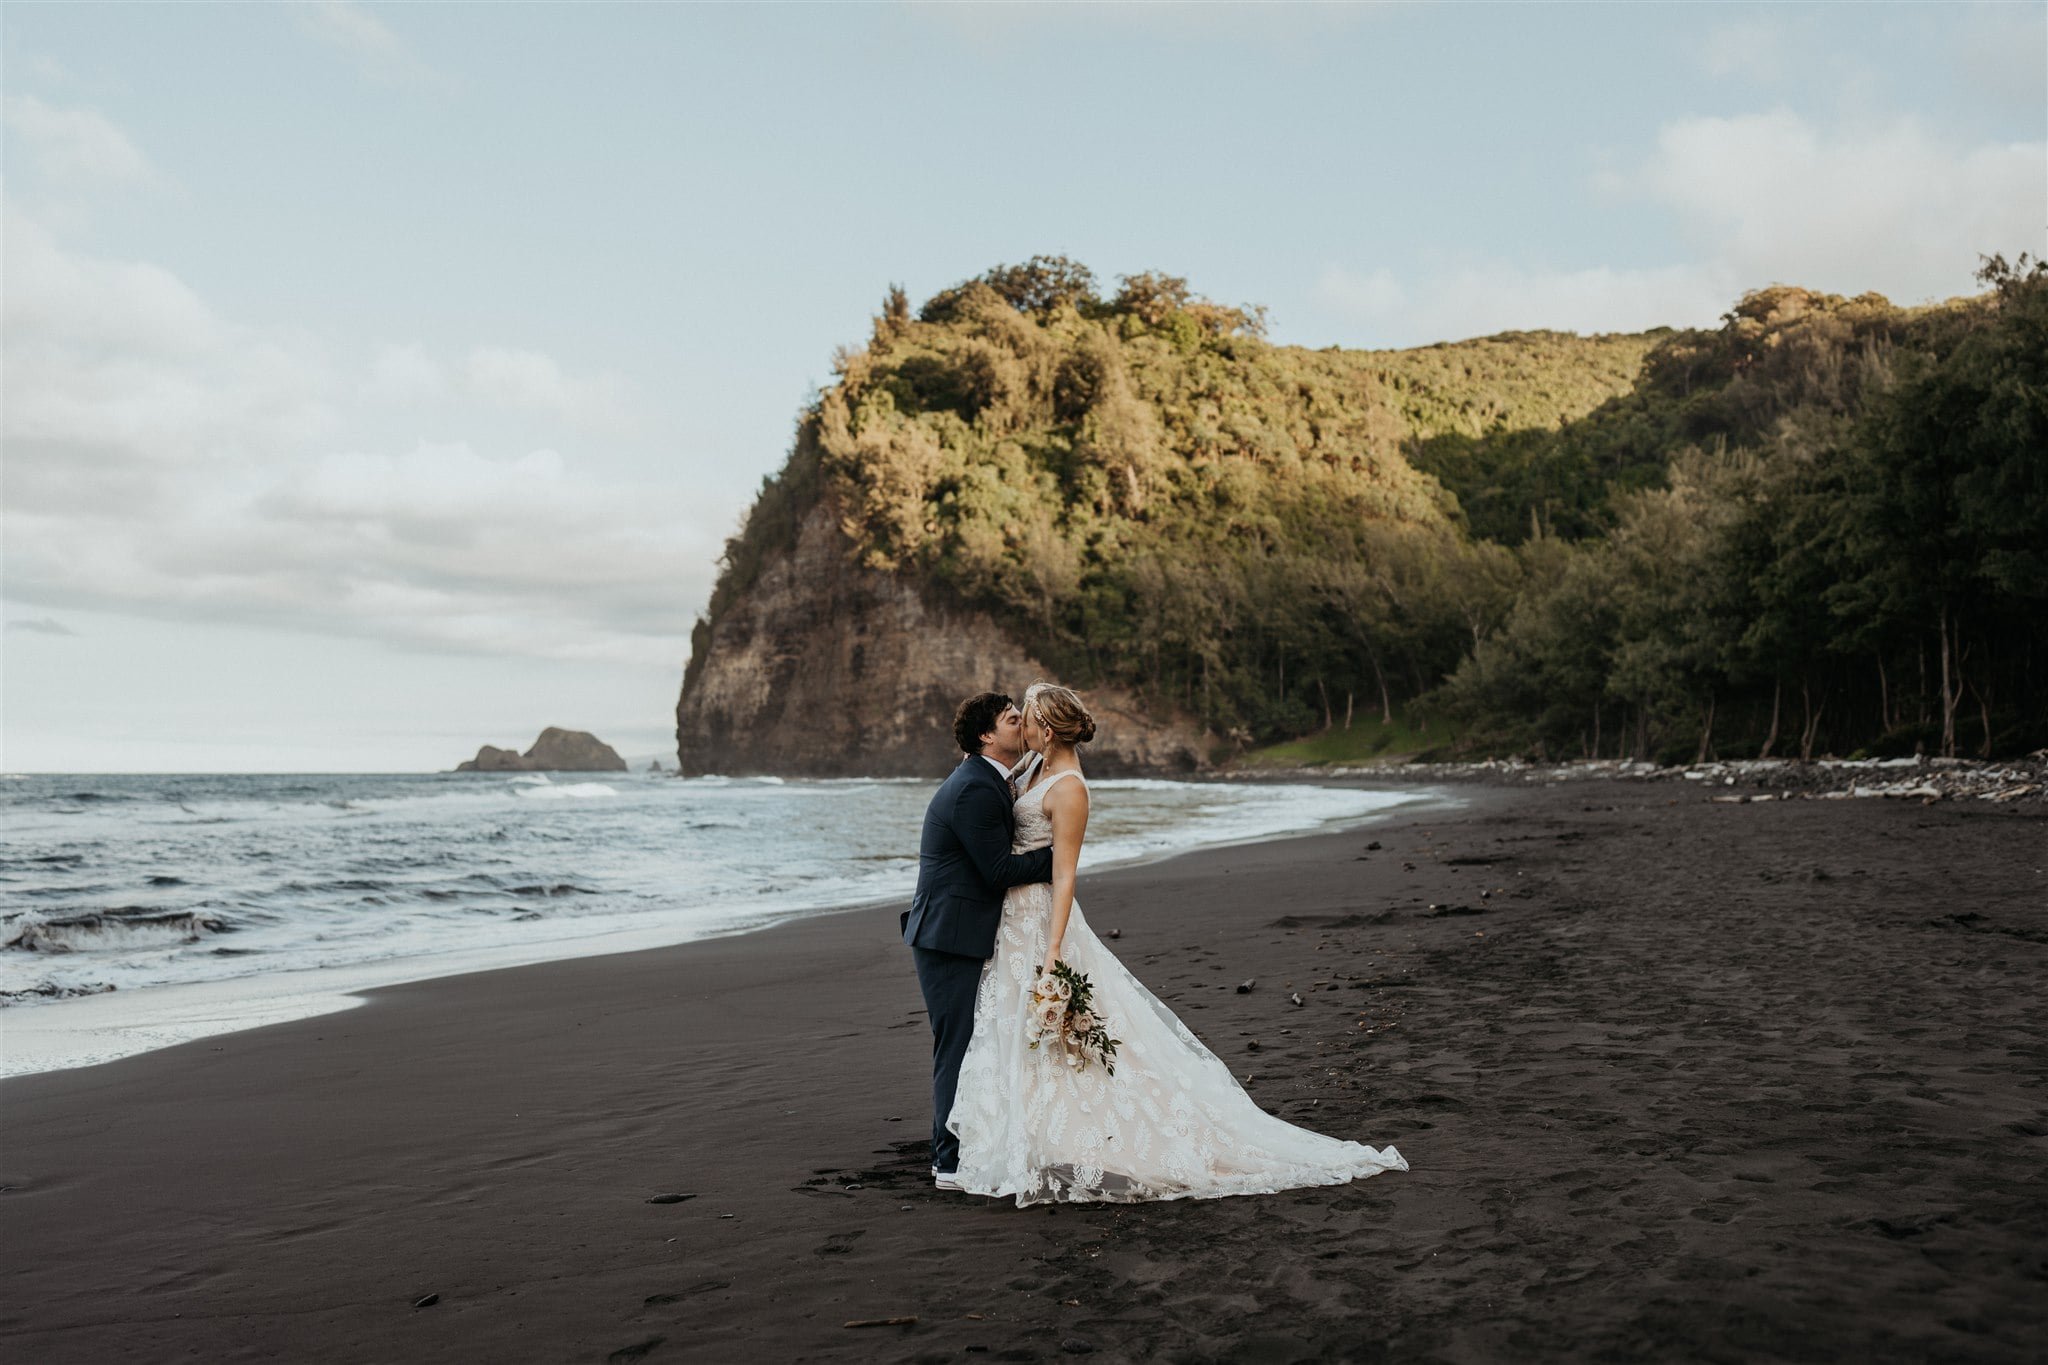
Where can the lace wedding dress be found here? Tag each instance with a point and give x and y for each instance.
(1172, 1123)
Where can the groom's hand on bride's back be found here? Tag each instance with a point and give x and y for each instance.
(982, 824)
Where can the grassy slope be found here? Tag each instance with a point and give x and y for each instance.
(1367, 741)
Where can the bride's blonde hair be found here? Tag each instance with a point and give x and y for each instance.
(1059, 710)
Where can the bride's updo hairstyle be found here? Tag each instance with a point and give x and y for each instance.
(1060, 712)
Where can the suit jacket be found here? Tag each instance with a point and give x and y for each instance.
(964, 864)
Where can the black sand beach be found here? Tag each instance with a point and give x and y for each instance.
(1678, 1081)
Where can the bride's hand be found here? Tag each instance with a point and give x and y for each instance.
(1051, 960)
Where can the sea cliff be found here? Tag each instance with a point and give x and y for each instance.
(821, 668)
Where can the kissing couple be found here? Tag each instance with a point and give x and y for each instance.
(1027, 1100)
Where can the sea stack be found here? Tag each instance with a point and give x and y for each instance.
(556, 751)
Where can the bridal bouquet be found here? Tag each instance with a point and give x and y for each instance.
(1061, 1014)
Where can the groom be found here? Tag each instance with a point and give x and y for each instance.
(964, 865)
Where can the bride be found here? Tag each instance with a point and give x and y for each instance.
(1171, 1122)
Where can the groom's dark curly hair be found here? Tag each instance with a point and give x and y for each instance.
(976, 717)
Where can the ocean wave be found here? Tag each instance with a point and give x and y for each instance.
(50, 990)
(45, 862)
(580, 791)
(338, 884)
(200, 816)
(263, 811)
(127, 927)
(410, 861)
(72, 892)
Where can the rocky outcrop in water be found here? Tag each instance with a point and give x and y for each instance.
(824, 669)
(556, 751)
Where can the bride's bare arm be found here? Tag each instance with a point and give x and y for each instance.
(1067, 807)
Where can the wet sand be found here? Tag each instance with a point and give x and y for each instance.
(1690, 1081)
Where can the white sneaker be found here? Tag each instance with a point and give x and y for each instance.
(947, 1180)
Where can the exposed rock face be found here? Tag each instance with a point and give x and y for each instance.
(556, 751)
(823, 669)
(492, 759)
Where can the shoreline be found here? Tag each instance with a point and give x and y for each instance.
(1688, 1081)
(37, 1037)
(1920, 778)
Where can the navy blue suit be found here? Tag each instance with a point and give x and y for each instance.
(964, 865)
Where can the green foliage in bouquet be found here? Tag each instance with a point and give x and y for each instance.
(1081, 1032)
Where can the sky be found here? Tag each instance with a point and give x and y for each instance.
(380, 381)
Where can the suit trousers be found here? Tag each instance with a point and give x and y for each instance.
(949, 982)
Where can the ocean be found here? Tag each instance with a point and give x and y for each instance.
(143, 911)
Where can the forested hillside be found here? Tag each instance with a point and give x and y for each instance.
(1845, 547)
(1820, 524)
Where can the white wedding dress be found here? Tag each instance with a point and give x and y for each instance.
(1172, 1123)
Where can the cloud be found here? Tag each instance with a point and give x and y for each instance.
(78, 149)
(531, 380)
(41, 625)
(166, 460)
(1889, 207)
(504, 378)
(119, 381)
(1755, 48)
(405, 373)
(378, 53)
(1760, 199)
